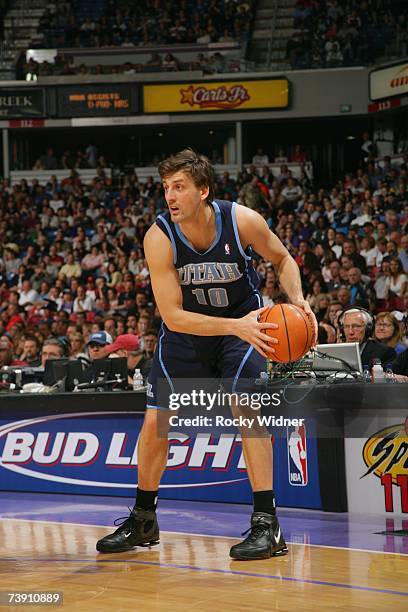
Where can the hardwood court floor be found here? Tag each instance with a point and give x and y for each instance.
(194, 572)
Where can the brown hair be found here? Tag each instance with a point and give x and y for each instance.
(396, 335)
(196, 165)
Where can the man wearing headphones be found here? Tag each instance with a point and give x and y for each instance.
(357, 325)
(53, 348)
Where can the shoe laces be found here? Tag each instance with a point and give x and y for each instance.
(257, 529)
(124, 519)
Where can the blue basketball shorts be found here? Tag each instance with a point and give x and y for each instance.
(179, 358)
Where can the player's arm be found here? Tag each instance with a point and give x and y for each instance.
(168, 296)
(253, 230)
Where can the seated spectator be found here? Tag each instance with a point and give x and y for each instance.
(280, 157)
(155, 61)
(109, 325)
(82, 301)
(113, 276)
(71, 268)
(260, 158)
(202, 63)
(48, 160)
(31, 350)
(364, 217)
(170, 62)
(149, 342)
(218, 63)
(52, 348)
(334, 55)
(92, 262)
(354, 325)
(387, 330)
(344, 296)
(77, 346)
(253, 194)
(403, 252)
(334, 310)
(335, 281)
(6, 354)
(97, 344)
(358, 293)
(67, 303)
(328, 332)
(290, 195)
(369, 251)
(382, 282)
(321, 305)
(28, 295)
(318, 289)
(128, 345)
(398, 280)
(349, 249)
(298, 155)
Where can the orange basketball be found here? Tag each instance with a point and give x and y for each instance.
(295, 335)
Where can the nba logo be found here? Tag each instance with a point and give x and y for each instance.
(227, 249)
(297, 456)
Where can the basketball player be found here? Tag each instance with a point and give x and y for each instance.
(206, 291)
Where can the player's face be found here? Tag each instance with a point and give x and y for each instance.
(183, 197)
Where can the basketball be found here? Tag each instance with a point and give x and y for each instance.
(295, 335)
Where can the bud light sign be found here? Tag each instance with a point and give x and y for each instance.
(96, 453)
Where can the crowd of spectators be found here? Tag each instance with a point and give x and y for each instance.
(335, 33)
(72, 267)
(143, 23)
(64, 65)
(81, 159)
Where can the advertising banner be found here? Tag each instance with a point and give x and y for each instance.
(389, 82)
(96, 453)
(377, 470)
(216, 96)
(24, 103)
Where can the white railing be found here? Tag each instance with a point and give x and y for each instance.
(144, 172)
(43, 176)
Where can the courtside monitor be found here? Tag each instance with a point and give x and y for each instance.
(341, 357)
(57, 370)
(110, 369)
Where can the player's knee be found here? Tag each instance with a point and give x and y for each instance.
(156, 423)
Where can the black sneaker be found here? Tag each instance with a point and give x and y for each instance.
(140, 528)
(264, 541)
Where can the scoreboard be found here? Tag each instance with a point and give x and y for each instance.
(97, 100)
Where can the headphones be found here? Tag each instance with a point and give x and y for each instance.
(63, 343)
(368, 320)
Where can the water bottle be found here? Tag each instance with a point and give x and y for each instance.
(389, 374)
(19, 378)
(377, 372)
(137, 380)
(366, 374)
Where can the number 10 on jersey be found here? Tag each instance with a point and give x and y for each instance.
(216, 296)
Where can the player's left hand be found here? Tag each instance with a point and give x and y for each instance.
(304, 304)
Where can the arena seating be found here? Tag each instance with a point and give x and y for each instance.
(50, 221)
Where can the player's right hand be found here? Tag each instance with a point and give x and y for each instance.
(250, 329)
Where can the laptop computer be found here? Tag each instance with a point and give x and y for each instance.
(341, 357)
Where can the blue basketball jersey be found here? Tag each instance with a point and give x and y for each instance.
(219, 281)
